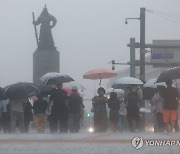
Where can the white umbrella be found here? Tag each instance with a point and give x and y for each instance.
(119, 92)
(48, 75)
(152, 83)
(128, 80)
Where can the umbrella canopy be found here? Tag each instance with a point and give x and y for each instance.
(100, 73)
(119, 92)
(71, 84)
(20, 90)
(69, 91)
(48, 75)
(152, 83)
(45, 90)
(120, 86)
(173, 73)
(57, 80)
(128, 80)
(148, 93)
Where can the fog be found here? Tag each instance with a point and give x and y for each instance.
(88, 34)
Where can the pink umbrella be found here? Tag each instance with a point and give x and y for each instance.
(100, 73)
(69, 91)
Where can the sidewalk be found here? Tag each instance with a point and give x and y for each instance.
(83, 143)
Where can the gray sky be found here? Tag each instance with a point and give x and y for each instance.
(88, 34)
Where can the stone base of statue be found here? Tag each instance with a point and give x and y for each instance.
(44, 61)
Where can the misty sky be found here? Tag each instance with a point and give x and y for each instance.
(88, 34)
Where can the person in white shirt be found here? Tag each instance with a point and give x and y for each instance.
(157, 109)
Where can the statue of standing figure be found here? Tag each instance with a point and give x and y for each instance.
(47, 21)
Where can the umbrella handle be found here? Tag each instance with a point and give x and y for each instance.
(100, 82)
(176, 84)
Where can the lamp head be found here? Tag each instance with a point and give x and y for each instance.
(126, 22)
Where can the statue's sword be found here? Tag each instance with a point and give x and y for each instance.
(35, 29)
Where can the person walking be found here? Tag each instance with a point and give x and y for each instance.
(170, 106)
(100, 111)
(113, 104)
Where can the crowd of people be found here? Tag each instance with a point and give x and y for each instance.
(165, 104)
(164, 107)
(63, 112)
(122, 109)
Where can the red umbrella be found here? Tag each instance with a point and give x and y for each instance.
(100, 73)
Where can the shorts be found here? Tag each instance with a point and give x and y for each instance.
(169, 115)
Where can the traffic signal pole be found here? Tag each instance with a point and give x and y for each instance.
(132, 58)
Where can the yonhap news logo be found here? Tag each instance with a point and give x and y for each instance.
(138, 142)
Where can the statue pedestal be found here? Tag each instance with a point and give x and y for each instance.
(44, 61)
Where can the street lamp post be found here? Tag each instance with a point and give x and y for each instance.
(142, 42)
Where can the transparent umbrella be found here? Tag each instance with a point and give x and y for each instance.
(128, 80)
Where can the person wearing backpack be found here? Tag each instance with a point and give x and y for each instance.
(133, 96)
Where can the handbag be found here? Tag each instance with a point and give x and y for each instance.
(49, 108)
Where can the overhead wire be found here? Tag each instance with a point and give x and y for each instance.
(168, 16)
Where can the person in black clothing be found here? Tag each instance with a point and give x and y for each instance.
(74, 109)
(170, 106)
(58, 120)
(113, 104)
(133, 97)
(39, 108)
(28, 116)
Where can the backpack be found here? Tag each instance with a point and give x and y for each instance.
(133, 98)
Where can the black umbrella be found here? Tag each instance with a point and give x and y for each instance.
(45, 90)
(58, 79)
(148, 93)
(173, 73)
(20, 90)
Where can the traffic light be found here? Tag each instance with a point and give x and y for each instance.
(113, 64)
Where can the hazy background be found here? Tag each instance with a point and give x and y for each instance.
(88, 34)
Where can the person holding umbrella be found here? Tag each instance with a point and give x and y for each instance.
(170, 105)
(58, 120)
(133, 96)
(17, 114)
(100, 111)
(157, 109)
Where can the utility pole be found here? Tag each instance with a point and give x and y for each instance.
(142, 44)
(142, 41)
